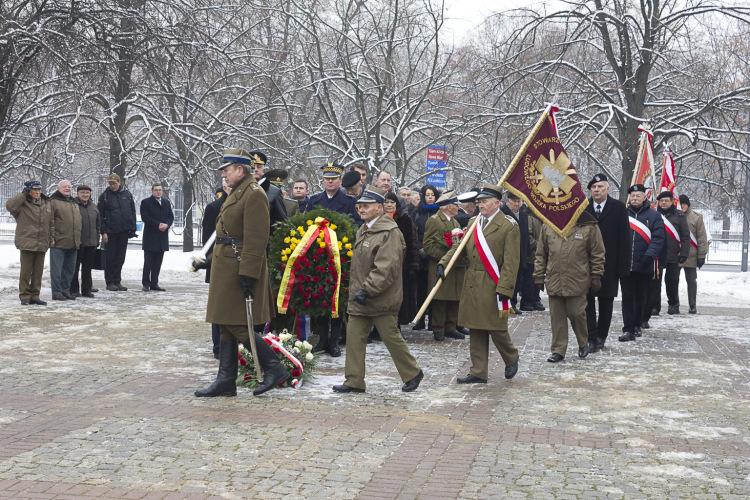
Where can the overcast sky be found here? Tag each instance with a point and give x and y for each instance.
(463, 15)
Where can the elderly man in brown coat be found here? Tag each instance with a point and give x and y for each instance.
(33, 215)
(568, 268)
(375, 294)
(66, 238)
(441, 232)
(239, 271)
(493, 253)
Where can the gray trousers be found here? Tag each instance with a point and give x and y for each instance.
(691, 277)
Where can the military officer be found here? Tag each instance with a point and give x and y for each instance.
(493, 253)
(568, 268)
(276, 206)
(439, 236)
(375, 294)
(333, 197)
(277, 177)
(239, 271)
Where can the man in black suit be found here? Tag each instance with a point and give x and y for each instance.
(612, 217)
(276, 205)
(157, 217)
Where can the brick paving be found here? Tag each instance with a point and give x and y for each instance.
(97, 403)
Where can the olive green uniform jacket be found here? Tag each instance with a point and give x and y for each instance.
(478, 307)
(698, 228)
(377, 261)
(435, 247)
(244, 216)
(66, 222)
(566, 265)
(33, 222)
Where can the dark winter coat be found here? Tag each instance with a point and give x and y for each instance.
(117, 210)
(208, 225)
(91, 224)
(673, 249)
(33, 221)
(276, 205)
(527, 259)
(642, 253)
(66, 222)
(340, 202)
(613, 224)
(153, 214)
(410, 267)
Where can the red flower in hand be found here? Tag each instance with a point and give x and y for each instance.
(448, 238)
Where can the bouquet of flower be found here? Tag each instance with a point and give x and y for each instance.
(295, 355)
(453, 236)
(310, 259)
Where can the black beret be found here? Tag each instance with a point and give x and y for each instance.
(684, 199)
(665, 194)
(597, 178)
(637, 188)
(350, 179)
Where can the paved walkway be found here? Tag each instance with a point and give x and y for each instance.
(96, 401)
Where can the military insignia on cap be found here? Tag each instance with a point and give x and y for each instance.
(332, 169)
(597, 178)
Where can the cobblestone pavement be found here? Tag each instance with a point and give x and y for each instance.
(97, 402)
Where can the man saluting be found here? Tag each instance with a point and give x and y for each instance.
(239, 271)
(493, 252)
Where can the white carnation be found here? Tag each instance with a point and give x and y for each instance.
(309, 356)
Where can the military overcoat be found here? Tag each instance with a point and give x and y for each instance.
(478, 307)
(698, 228)
(435, 247)
(244, 216)
(33, 222)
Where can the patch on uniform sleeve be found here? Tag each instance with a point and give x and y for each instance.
(511, 219)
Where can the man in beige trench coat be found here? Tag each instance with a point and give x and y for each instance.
(488, 284)
(239, 270)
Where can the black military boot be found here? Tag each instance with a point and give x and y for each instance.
(321, 328)
(274, 373)
(226, 380)
(333, 340)
(627, 336)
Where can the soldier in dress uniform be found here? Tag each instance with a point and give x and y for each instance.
(438, 239)
(333, 197)
(276, 205)
(277, 177)
(493, 252)
(375, 294)
(239, 270)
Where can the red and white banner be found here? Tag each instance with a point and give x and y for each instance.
(644, 165)
(640, 228)
(488, 260)
(693, 241)
(668, 178)
(670, 229)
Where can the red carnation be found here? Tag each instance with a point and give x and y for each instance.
(448, 237)
(306, 303)
(296, 372)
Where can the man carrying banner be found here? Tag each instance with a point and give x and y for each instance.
(493, 259)
(646, 242)
(698, 250)
(674, 253)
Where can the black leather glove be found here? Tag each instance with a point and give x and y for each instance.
(360, 297)
(701, 262)
(440, 271)
(682, 259)
(248, 285)
(596, 283)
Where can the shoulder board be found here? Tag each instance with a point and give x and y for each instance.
(511, 219)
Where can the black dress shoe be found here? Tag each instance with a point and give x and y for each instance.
(471, 379)
(157, 288)
(638, 332)
(511, 370)
(593, 346)
(122, 288)
(412, 384)
(113, 288)
(94, 290)
(343, 388)
(334, 350)
(539, 307)
(37, 302)
(555, 357)
(69, 296)
(24, 302)
(88, 295)
(144, 288)
(645, 325)
(59, 296)
(673, 310)
(464, 330)
(583, 351)
(626, 337)
(455, 335)
(692, 310)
